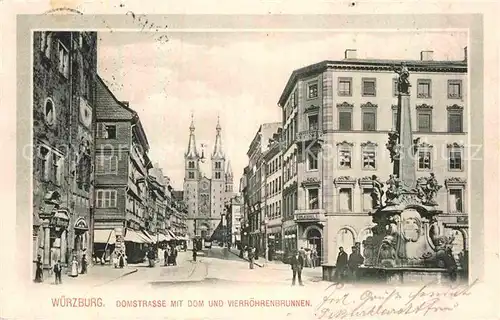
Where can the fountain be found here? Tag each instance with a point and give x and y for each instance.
(407, 244)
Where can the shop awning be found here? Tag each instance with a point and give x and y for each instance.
(174, 237)
(149, 236)
(105, 236)
(134, 236)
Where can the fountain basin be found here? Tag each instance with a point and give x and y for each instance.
(407, 275)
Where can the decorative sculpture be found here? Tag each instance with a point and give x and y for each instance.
(394, 190)
(432, 189)
(403, 80)
(387, 253)
(368, 250)
(377, 192)
(393, 146)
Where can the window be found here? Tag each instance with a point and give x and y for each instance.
(344, 87)
(369, 120)
(395, 91)
(56, 169)
(295, 98)
(313, 122)
(394, 118)
(455, 121)
(313, 198)
(106, 164)
(312, 90)
(424, 121)
(43, 167)
(217, 175)
(345, 199)
(191, 164)
(368, 86)
(63, 59)
(424, 160)
(367, 199)
(217, 165)
(369, 155)
(49, 112)
(455, 153)
(423, 88)
(46, 43)
(190, 175)
(454, 89)
(106, 199)
(345, 158)
(312, 160)
(345, 120)
(109, 132)
(456, 201)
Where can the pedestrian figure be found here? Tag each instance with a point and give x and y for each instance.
(84, 263)
(121, 260)
(165, 257)
(314, 258)
(57, 272)
(341, 266)
(174, 255)
(115, 259)
(194, 254)
(308, 261)
(39, 270)
(297, 263)
(355, 260)
(251, 257)
(74, 267)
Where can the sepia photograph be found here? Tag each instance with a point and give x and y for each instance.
(192, 167)
(346, 165)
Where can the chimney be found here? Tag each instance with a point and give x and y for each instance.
(125, 103)
(465, 54)
(426, 55)
(350, 54)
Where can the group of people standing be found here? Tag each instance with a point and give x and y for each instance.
(347, 267)
(170, 255)
(57, 268)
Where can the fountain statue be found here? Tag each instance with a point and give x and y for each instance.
(406, 234)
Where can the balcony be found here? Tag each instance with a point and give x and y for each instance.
(309, 135)
(309, 215)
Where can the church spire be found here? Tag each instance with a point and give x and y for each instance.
(191, 151)
(229, 170)
(218, 154)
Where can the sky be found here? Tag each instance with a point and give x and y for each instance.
(237, 76)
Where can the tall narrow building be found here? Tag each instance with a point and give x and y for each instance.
(203, 195)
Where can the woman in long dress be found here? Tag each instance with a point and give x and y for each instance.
(308, 258)
(39, 270)
(74, 267)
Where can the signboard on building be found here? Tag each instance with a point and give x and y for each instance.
(307, 217)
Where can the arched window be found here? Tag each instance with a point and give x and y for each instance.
(345, 239)
(49, 112)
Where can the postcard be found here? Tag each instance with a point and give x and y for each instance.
(302, 165)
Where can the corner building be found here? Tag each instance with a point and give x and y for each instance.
(336, 120)
(64, 71)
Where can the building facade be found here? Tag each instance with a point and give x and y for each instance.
(64, 71)
(122, 217)
(204, 196)
(233, 220)
(336, 125)
(254, 192)
(273, 197)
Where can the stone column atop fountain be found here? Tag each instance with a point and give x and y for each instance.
(406, 233)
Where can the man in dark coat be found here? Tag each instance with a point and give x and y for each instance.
(297, 263)
(341, 266)
(194, 254)
(355, 260)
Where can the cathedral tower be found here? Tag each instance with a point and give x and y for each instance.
(218, 177)
(191, 173)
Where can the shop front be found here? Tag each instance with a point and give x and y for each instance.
(289, 242)
(311, 239)
(104, 245)
(53, 238)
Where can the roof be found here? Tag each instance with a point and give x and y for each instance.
(262, 136)
(108, 107)
(371, 64)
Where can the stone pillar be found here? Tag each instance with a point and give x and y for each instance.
(63, 247)
(406, 163)
(46, 243)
